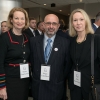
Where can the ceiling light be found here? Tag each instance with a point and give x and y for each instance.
(60, 10)
(45, 4)
(80, 0)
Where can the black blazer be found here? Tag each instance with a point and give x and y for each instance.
(94, 27)
(97, 30)
(28, 32)
(53, 89)
(85, 62)
(37, 32)
(62, 34)
(12, 53)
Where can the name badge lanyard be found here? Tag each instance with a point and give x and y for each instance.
(77, 57)
(77, 73)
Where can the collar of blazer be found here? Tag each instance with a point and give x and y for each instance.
(13, 40)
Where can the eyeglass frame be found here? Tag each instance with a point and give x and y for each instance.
(53, 23)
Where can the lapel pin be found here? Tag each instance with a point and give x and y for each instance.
(56, 49)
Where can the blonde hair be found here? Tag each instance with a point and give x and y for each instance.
(88, 27)
(11, 14)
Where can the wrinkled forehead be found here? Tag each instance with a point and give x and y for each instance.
(51, 18)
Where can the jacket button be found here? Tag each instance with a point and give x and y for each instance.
(24, 61)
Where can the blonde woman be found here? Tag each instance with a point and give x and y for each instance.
(4, 27)
(14, 57)
(81, 31)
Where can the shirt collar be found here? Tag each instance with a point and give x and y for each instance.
(39, 31)
(96, 25)
(46, 38)
(31, 29)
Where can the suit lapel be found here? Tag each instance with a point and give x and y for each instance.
(40, 49)
(30, 33)
(56, 45)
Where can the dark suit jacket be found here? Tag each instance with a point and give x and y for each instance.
(62, 34)
(37, 32)
(53, 89)
(94, 27)
(97, 30)
(85, 62)
(29, 33)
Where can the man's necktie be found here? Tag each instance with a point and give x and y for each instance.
(47, 50)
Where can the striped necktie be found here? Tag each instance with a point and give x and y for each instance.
(47, 50)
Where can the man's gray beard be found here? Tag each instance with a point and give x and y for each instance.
(50, 35)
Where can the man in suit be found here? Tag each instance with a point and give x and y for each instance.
(30, 32)
(40, 28)
(97, 22)
(63, 34)
(32, 26)
(49, 60)
(98, 31)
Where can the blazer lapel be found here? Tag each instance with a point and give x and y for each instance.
(55, 49)
(40, 49)
(30, 33)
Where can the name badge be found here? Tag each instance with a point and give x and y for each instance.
(24, 70)
(45, 72)
(77, 78)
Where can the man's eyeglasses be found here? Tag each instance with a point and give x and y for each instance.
(53, 24)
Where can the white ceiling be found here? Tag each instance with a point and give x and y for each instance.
(63, 5)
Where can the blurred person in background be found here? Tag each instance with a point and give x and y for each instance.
(62, 24)
(62, 31)
(96, 24)
(4, 27)
(40, 28)
(30, 31)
